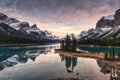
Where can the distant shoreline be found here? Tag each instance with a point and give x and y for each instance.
(25, 44)
(18, 44)
(100, 46)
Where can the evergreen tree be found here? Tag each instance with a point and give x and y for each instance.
(68, 43)
(74, 43)
(62, 45)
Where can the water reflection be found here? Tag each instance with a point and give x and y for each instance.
(106, 69)
(70, 62)
(10, 56)
(48, 65)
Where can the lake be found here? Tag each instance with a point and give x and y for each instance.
(98, 49)
(40, 62)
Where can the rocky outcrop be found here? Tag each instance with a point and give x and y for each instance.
(13, 27)
(106, 21)
(117, 18)
(34, 26)
(2, 16)
(108, 27)
(23, 25)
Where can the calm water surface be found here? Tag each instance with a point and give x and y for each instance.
(42, 63)
(98, 49)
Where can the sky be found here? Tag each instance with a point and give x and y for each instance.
(60, 16)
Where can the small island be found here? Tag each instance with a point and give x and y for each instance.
(68, 47)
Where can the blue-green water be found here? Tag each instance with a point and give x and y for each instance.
(99, 50)
(40, 62)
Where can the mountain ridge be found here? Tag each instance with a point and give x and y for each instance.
(108, 27)
(106, 33)
(12, 27)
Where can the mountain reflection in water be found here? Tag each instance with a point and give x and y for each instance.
(43, 63)
(10, 56)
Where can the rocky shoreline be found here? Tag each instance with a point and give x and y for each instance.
(115, 64)
(80, 54)
(106, 66)
(69, 78)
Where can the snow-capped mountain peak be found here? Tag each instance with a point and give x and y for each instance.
(107, 27)
(23, 29)
(109, 17)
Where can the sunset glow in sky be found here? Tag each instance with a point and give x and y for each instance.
(60, 16)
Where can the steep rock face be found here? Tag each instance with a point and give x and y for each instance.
(2, 16)
(23, 25)
(34, 26)
(117, 18)
(6, 29)
(83, 34)
(113, 33)
(10, 20)
(13, 27)
(108, 27)
(93, 33)
(106, 21)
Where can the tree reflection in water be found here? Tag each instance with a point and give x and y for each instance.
(70, 62)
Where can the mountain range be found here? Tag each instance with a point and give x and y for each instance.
(15, 31)
(108, 27)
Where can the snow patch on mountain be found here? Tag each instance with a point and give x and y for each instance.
(104, 27)
(110, 17)
(24, 29)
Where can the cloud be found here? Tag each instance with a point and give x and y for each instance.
(60, 13)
